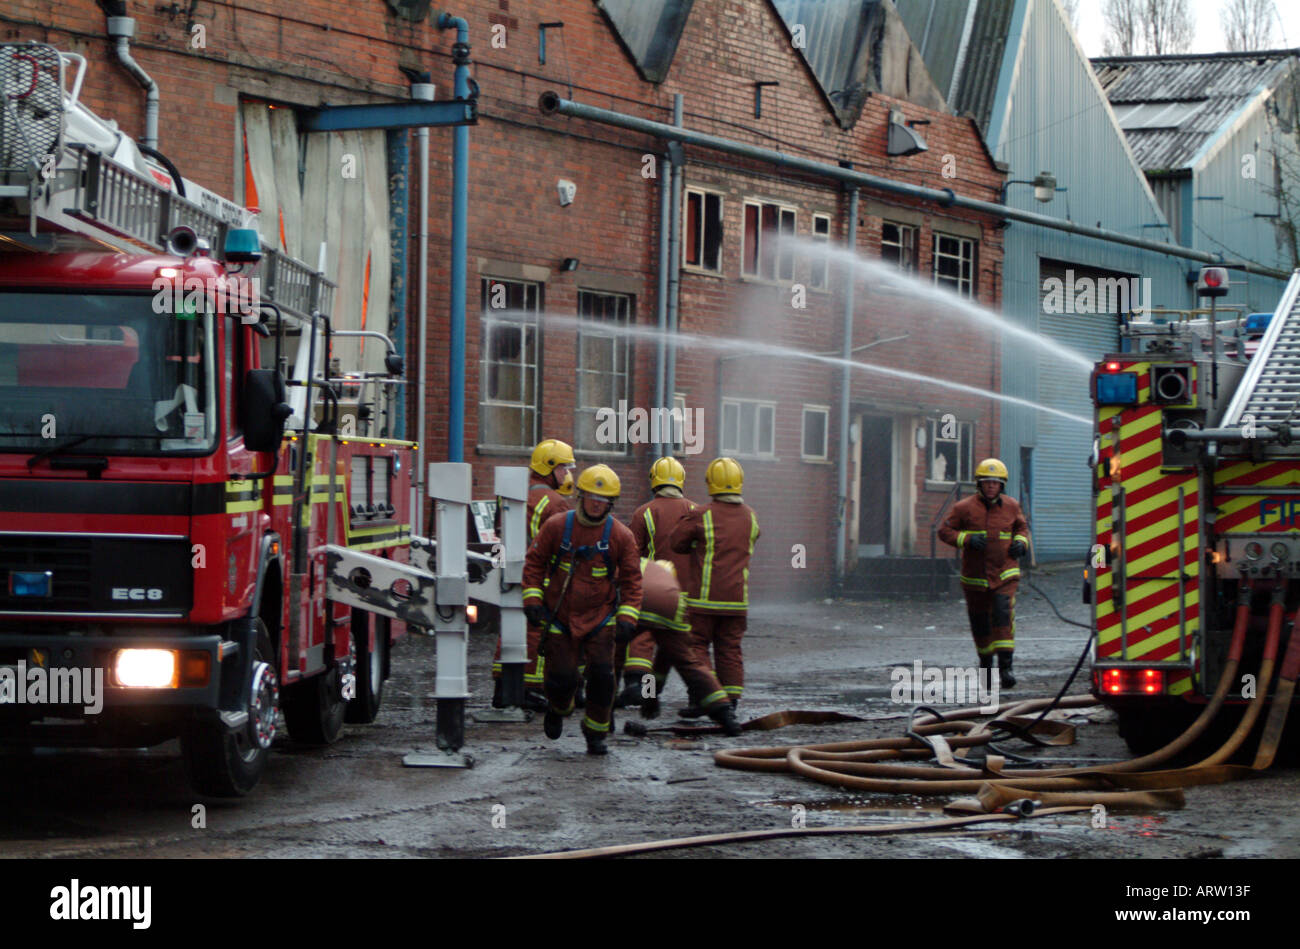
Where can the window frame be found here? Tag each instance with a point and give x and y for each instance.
(907, 256)
(781, 260)
(628, 355)
(734, 448)
(699, 237)
(486, 324)
(971, 281)
(932, 443)
(825, 412)
(824, 264)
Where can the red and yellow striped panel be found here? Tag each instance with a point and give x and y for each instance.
(1262, 512)
(1151, 559)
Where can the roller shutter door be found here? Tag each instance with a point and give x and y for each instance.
(1062, 501)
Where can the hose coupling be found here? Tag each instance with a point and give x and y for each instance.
(1021, 807)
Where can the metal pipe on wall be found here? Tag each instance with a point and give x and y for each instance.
(552, 104)
(459, 244)
(842, 464)
(422, 91)
(661, 295)
(674, 252)
(121, 29)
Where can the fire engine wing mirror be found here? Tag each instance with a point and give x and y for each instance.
(264, 409)
(393, 363)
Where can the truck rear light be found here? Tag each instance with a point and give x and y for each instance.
(1131, 681)
(471, 613)
(146, 668)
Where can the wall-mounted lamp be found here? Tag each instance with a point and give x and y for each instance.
(1044, 187)
(570, 264)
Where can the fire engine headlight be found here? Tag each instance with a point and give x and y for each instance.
(1254, 550)
(1279, 551)
(145, 668)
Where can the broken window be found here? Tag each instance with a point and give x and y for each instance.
(702, 240)
(898, 245)
(768, 254)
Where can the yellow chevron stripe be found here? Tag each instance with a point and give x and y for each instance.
(1142, 564)
(1181, 685)
(1136, 428)
(1160, 611)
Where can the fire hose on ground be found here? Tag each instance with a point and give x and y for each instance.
(1002, 794)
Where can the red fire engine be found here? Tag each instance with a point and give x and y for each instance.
(176, 489)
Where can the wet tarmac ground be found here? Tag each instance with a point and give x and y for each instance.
(527, 795)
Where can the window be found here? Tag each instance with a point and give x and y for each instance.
(951, 454)
(816, 423)
(603, 359)
(954, 263)
(766, 255)
(748, 427)
(509, 396)
(818, 269)
(702, 240)
(898, 244)
(234, 333)
(679, 430)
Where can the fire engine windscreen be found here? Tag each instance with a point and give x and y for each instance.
(105, 370)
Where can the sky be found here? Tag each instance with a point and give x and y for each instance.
(1208, 38)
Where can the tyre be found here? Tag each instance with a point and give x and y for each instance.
(371, 667)
(222, 763)
(1147, 730)
(314, 709)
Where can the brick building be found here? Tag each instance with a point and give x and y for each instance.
(229, 107)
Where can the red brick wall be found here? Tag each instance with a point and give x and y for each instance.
(310, 52)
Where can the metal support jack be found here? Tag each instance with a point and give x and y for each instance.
(503, 586)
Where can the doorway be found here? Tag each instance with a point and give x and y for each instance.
(875, 508)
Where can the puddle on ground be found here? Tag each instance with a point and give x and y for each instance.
(899, 808)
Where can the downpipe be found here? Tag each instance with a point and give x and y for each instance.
(121, 29)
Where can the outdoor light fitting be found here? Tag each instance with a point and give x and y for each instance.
(903, 140)
(570, 264)
(1044, 187)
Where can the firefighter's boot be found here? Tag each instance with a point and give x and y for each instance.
(553, 725)
(630, 697)
(596, 744)
(535, 701)
(1006, 679)
(724, 713)
(650, 708)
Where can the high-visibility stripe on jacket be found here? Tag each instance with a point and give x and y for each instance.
(589, 600)
(1000, 523)
(544, 502)
(652, 525)
(720, 539)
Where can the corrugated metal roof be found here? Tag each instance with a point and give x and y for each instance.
(1211, 88)
(936, 29)
(649, 30)
(847, 45)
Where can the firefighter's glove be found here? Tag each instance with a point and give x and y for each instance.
(1017, 549)
(535, 615)
(625, 632)
(976, 542)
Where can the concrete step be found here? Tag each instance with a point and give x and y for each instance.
(903, 576)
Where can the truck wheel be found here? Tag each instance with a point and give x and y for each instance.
(313, 710)
(371, 667)
(221, 763)
(1148, 730)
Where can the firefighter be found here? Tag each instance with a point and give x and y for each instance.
(992, 534)
(651, 525)
(664, 616)
(552, 471)
(589, 606)
(720, 539)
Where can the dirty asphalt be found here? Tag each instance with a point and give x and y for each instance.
(526, 794)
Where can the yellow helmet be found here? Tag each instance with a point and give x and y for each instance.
(600, 481)
(567, 487)
(667, 470)
(549, 453)
(991, 469)
(724, 476)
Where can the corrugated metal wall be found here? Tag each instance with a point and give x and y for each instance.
(1059, 121)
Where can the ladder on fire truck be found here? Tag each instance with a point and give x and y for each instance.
(71, 180)
(1268, 397)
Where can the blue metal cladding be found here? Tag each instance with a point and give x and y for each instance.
(1056, 118)
(399, 196)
